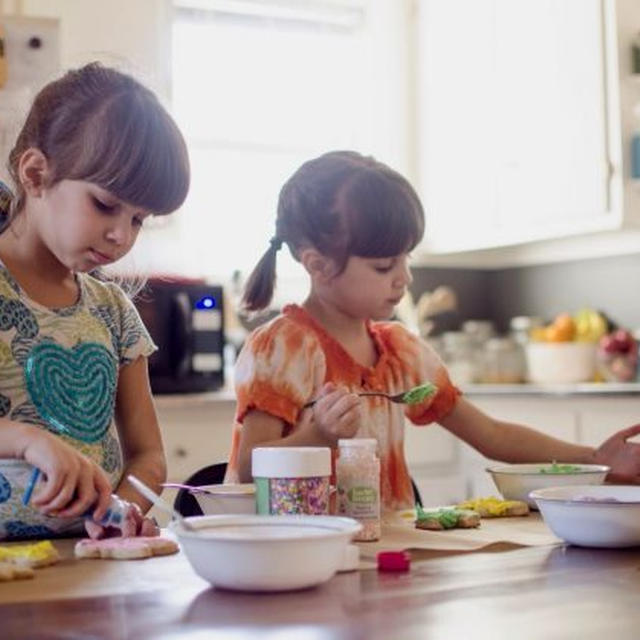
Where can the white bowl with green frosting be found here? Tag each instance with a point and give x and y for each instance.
(517, 481)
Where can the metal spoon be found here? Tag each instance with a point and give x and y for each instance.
(149, 494)
(188, 487)
(412, 396)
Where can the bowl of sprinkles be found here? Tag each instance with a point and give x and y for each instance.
(517, 481)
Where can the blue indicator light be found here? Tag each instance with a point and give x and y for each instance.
(206, 302)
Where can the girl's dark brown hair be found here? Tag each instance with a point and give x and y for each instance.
(102, 126)
(343, 204)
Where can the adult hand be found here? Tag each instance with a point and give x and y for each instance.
(337, 413)
(623, 457)
(70, 482)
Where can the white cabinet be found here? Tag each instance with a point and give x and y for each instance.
(523, 110)
(195, 433)
(598, 421)
(447, 470)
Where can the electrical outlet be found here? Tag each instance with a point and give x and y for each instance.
(32, 53)
(32, 49)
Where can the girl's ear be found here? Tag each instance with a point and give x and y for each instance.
(317, 265)
(33, 171)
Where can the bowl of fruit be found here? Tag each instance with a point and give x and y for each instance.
(564, 351)
(617, 356)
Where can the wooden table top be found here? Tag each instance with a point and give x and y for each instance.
(545, 592)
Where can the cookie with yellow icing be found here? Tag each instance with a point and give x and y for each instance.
(493, 507)
(37, 554)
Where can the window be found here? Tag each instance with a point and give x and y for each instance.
(258, 88)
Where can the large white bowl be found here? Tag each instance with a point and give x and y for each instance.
(516, 481)
(226, 498)
(560, 362)
(266, 553)
(592, 516)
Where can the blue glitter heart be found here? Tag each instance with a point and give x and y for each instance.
(73, 389)
(5, 488)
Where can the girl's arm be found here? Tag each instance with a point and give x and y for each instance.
(335, 415)
(70, 483)
(509, 442)
(139, 433)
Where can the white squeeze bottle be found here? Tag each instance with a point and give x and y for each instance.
(358, 483)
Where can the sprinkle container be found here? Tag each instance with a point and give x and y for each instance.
(358, 480)
(291, 480)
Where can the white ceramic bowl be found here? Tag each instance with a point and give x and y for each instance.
(226, 498)
(516, 481)
(592, 516)
(266, 553)
(560, 362)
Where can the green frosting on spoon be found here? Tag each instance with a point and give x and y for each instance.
(420, 393)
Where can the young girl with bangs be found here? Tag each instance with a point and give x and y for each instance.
(97, 155)
(352, 222)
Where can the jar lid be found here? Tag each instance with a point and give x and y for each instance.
(362, 443)
(500, 344)
(290, 462)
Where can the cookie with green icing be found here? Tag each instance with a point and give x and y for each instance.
(446, 518)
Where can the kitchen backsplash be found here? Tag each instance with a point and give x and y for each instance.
(607, 284)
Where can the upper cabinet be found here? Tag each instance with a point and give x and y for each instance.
(524, 119)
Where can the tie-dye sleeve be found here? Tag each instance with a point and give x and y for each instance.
(280, 368)
(431, 369)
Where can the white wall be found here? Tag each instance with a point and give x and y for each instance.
(129, 34)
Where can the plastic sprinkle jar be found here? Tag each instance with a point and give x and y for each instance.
(291, 480)
(358, 481)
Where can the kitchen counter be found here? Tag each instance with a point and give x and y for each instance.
(581, 389)
(226, 395)
(552, 591)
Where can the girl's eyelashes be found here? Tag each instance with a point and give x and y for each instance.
(101, 205)
(384, 268)
(387, 265)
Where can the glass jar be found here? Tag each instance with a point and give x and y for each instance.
(459, 356)
(503, 362)
(358, 484)
(520, 327)
(479, 331)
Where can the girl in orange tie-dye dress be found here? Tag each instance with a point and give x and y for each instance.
(351, 222)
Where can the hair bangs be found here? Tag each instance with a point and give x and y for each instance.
(384, 218)
(137, 154)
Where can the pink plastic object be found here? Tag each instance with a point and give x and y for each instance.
(394, 561)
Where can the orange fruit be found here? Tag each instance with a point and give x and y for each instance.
(565, 328)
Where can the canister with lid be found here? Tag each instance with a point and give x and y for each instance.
(291, 479)
(358, 483)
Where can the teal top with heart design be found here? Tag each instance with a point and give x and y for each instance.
(59, 370)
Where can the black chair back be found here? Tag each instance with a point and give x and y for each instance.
(185, 504)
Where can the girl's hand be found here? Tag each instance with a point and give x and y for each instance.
(70, 483)
(623, 457)
(134, 524)
(337, 413)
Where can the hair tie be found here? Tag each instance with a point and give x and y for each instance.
(276, 243)
(6, 195)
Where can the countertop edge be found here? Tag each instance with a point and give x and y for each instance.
(607, 389)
